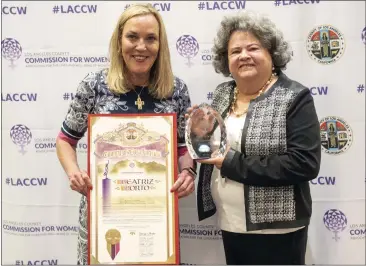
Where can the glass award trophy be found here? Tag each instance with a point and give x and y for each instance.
(205, 133)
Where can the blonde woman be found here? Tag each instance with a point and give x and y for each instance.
(140, 69)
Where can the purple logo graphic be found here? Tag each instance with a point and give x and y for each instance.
(188, 47)
(363, 35)
(21, 136)
(335, 221)
(106, 186)
(11, 50)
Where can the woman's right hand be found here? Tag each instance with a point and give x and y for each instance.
(190, 110)
(202, 123)
(80, 182)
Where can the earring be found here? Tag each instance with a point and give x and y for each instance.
(274, 71)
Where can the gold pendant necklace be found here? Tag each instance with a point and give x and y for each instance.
(236, 91)
(139, 103)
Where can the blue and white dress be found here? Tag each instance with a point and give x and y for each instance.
(94, 96)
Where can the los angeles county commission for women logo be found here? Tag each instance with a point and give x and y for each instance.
(335, 135)
(12, 51)
(325, 44)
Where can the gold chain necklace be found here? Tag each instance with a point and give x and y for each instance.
(236, 91)
(139, 103)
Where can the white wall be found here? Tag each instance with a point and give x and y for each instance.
(50, 204)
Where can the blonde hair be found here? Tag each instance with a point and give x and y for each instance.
(161, 80)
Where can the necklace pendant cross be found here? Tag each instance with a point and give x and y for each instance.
(139, 103)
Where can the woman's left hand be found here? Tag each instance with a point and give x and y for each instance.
(217, 161)
(184, 184)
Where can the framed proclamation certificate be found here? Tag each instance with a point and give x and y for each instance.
(133, 216)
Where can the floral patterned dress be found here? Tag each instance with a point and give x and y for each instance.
(94, 96)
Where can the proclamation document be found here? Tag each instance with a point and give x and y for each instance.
(132, 163)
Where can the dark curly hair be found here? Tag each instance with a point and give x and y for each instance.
(262, 28)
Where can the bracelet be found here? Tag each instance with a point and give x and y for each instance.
(190, 170)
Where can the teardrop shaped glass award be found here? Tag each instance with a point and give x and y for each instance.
(205, 133)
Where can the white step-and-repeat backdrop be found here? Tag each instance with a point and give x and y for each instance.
(48, 47)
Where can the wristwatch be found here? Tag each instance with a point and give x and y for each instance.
(191, 171)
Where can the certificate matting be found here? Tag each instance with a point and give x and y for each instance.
(132, 163)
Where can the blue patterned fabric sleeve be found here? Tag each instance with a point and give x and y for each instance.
(183, 101)
(76, 121)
